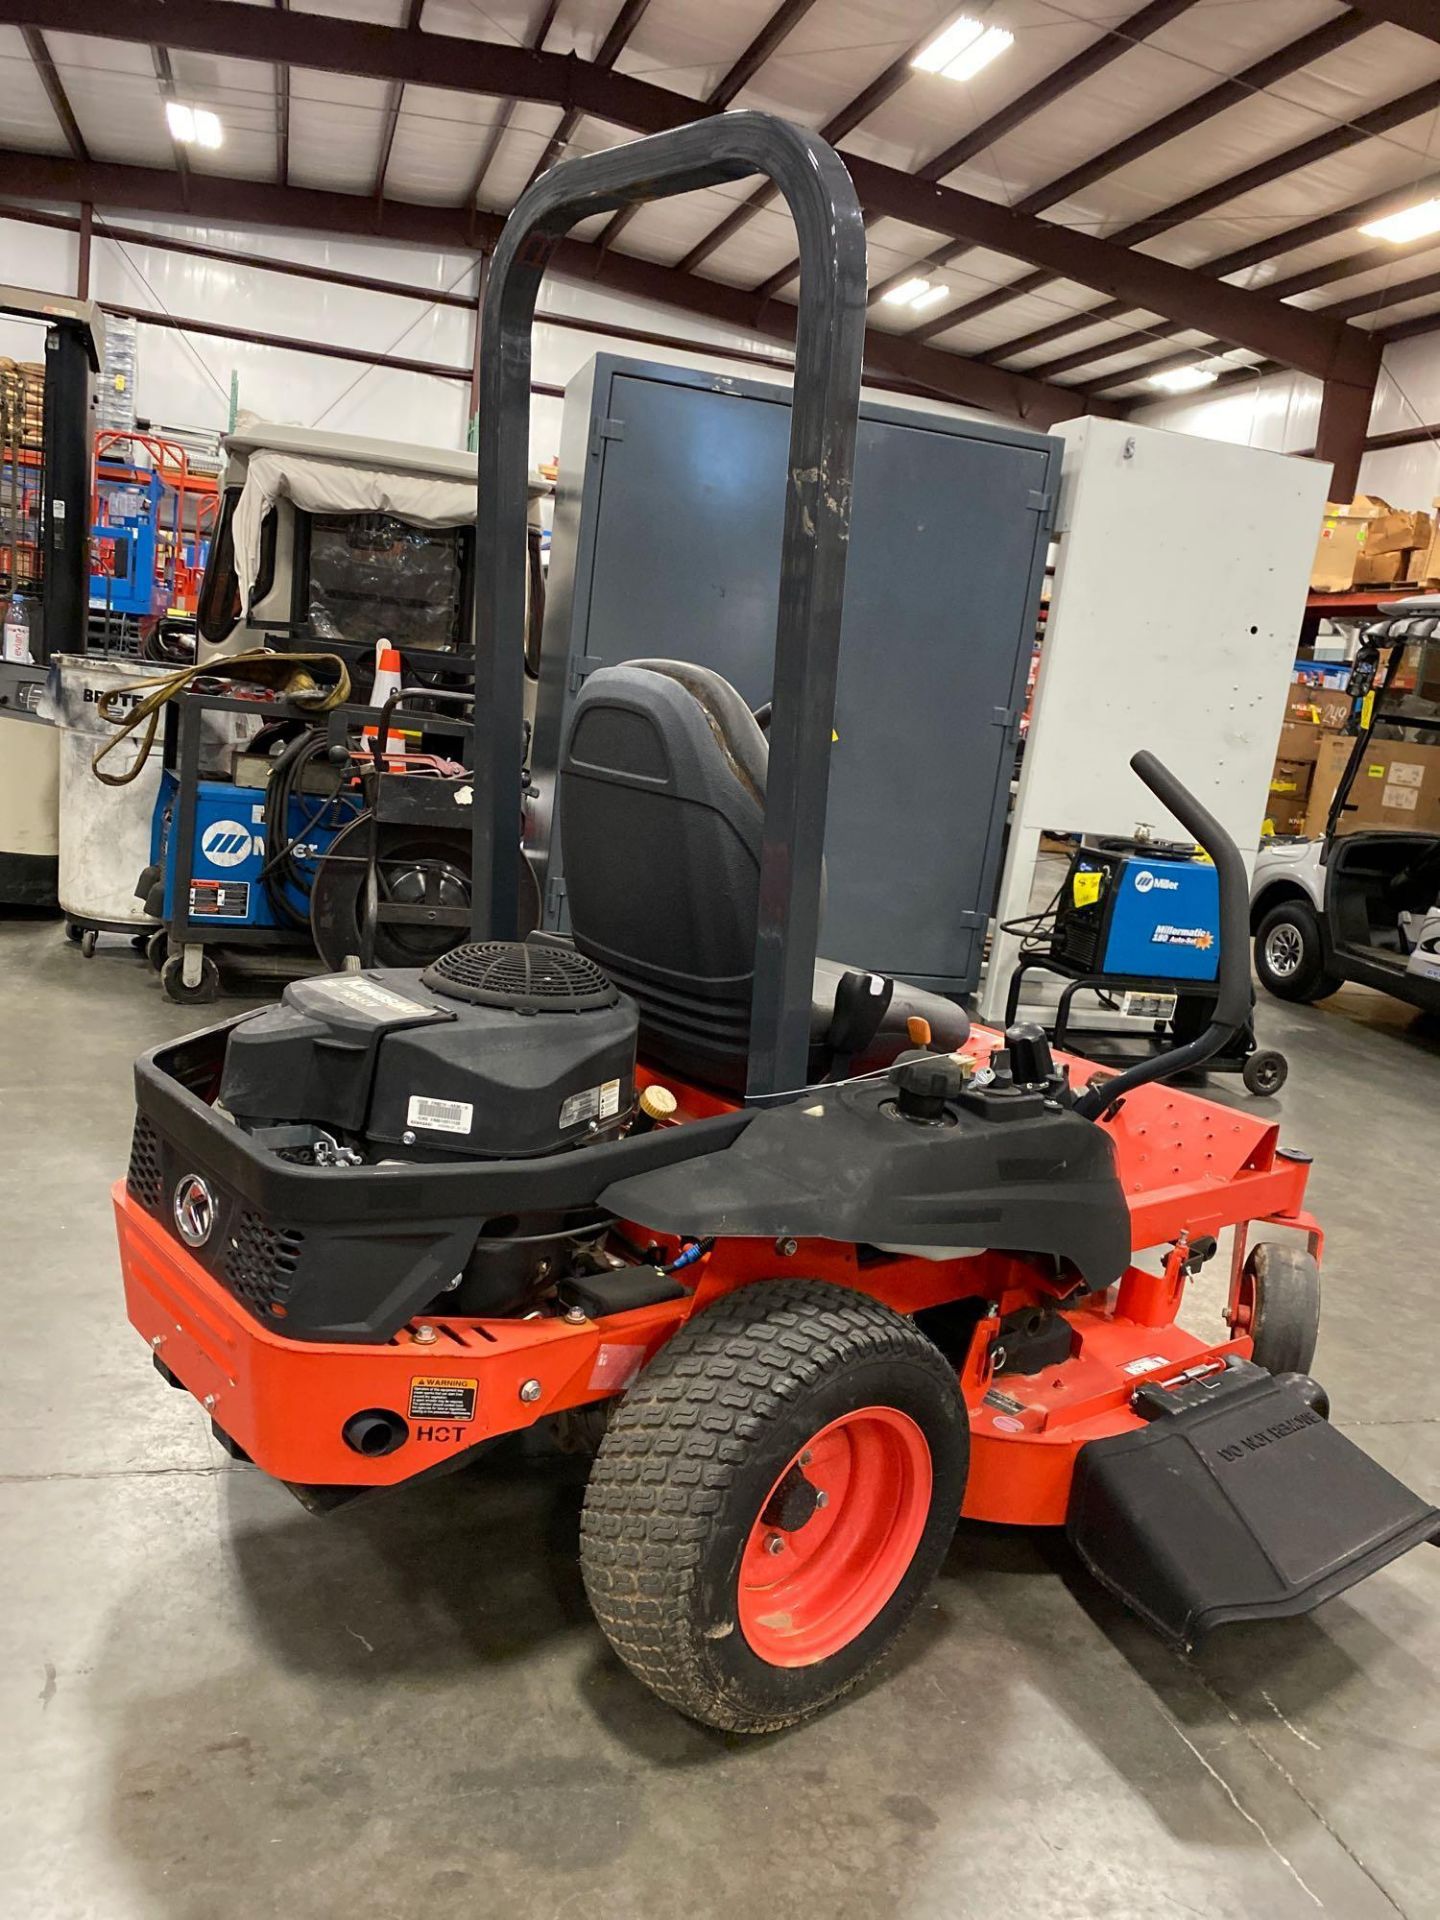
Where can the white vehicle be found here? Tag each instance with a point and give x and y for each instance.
(1358, 906)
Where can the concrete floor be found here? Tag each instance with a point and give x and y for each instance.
(216, 1706)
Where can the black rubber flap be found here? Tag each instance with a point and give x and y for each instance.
(1248, 1509)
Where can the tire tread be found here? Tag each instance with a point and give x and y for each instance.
(682, 1433)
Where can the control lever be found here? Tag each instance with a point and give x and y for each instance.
(861, 1002)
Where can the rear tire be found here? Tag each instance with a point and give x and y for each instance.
(1290, 956)
(779, 1393)
(1279, 1306)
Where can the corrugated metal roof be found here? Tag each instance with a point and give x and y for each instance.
(337, 125)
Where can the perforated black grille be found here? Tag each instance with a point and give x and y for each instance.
(143, 1180)
(260, 1262)
(525, 978)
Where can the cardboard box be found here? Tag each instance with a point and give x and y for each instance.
(1337, 553)
(1392, 529)
(1327, 708)
(1284, 822)
(1288, 799)
(1425, 564)
(1398, 785)
(1378, 569)
(1299, 741)
(1418, 559)
(1290, 779)
(1365, 542)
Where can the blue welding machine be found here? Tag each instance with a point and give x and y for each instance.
(227, 882)
(1127, 911)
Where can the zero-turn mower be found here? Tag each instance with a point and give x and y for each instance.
(816, 1267)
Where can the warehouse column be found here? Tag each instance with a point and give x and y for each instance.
(82, 256)
(1344, 424)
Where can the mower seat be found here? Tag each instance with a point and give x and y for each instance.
(662, 802)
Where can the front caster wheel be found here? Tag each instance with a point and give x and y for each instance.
(1277, 1302)
(773, 1495)
(1265, 1072)
(89, 940)
(205, 989)
(157, 950)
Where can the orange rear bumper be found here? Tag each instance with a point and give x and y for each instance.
(286, 1402)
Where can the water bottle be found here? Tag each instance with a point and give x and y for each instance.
(17, 631)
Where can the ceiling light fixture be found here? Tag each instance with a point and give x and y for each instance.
(1184, 379)
(1413, 224)
(963, 48)
(192, 126)
(916, 294)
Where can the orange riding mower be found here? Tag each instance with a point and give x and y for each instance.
(813, 1267)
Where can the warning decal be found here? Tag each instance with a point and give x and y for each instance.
(1147, 1363)
(1005, 1401)
(220, 899)
(595, 1103)
(432, 1397)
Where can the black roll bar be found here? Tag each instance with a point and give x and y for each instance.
(829, 341)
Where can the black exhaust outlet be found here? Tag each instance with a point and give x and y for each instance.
(374, 1432)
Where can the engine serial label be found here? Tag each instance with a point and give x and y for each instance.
(434, 1397)
(439, 1116)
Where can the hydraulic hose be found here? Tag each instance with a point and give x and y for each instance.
(1233, 1000)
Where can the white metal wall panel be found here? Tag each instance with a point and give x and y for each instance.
(1409, 391)
(1407, 476)
(1279, 412)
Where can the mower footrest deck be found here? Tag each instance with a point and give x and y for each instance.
(1247, 1508)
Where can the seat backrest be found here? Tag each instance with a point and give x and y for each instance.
(661, 807)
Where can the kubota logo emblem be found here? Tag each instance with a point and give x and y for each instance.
(226, 843)
(194, 1211)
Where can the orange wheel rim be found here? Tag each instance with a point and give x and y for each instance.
(1241, 1316)
(835, 1536)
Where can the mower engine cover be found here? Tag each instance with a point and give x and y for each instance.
(496, 1049)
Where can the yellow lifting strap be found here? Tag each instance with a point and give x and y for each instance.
(287, 673)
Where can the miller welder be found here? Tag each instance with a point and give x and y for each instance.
(234, 876)
(1137, 924)
(1126, 908)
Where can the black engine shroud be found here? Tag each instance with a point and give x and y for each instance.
(500, 1049)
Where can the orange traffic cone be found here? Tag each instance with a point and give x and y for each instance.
(387, 682)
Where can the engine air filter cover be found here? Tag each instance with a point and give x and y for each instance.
(521, 976)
